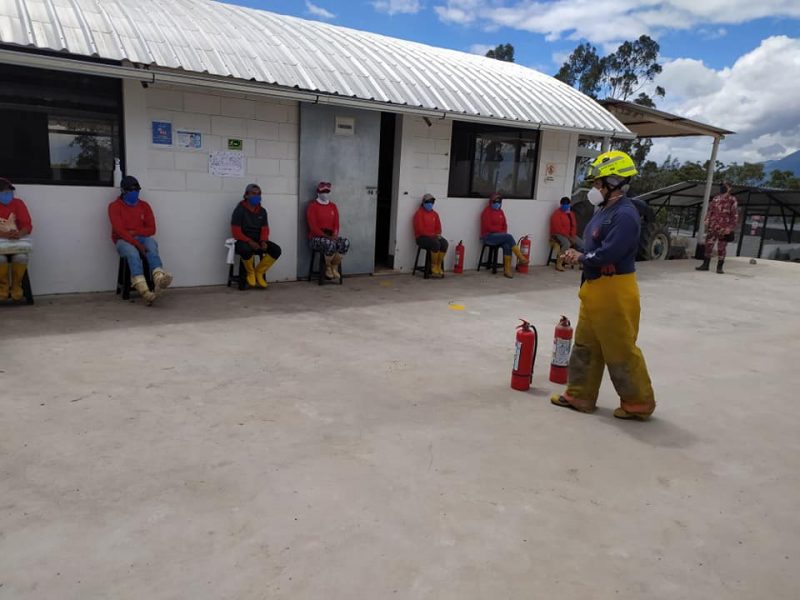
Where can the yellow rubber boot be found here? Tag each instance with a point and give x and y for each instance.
(4, 270)
(507, 267)
(17, 274)
(336, 260)
(263, 266)
(520, 256)
(436, 264)
(250, 271)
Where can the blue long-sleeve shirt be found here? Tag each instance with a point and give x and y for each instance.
(611, 240)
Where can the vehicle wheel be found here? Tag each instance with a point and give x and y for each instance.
(654, 243)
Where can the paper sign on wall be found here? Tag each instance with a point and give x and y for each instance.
(550, 172)
(192, 140)
(162, 133)
(226, 163)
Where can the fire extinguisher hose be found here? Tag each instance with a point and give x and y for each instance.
(535, 348)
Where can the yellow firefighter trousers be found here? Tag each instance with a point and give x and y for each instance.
(608, 325)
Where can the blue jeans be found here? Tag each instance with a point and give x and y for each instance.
(506, 240)
(131, 254)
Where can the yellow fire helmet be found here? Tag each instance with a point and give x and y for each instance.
(612, 164)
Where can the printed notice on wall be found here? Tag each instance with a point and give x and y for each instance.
(226, 163)
(162, 133)
(191, 140)
(550, 172)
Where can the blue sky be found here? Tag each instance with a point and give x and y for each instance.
(713, 51)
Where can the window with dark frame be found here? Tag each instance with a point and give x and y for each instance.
(59, 128)
(489, 158)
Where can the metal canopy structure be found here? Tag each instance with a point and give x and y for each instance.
(759, 207)
(653, 123)
(649, 122)
(200, 42)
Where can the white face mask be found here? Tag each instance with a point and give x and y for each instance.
(595, 197)
(322, 198)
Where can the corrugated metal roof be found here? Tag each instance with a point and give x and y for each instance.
(219, 39)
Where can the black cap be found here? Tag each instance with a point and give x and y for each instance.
(129, 182)
(566, 200)
(6, 183)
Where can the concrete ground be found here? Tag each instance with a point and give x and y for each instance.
(362, 442)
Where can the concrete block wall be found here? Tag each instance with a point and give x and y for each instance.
(193, 207)
(425, 167)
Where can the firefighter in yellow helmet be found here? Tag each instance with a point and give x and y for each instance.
(608, 323)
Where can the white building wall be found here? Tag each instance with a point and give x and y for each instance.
(73, 251)
(192, 207)
(424, 168)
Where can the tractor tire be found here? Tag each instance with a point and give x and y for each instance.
(654, 242)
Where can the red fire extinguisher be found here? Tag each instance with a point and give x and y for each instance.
(524, 244)
(524, 356)
(562, 344)
(458, 267)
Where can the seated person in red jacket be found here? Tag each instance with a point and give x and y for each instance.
(250, 227)
(15, 245)
(132, 229)
(494, 231)
(428, 231)
(564, 230)
(323, 230)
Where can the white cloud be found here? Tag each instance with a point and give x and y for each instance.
(318, 11)
(756, 97)
(584, 19)
(393, 7)
(481, 49)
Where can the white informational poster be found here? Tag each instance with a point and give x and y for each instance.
(226, 163)
(191, 140)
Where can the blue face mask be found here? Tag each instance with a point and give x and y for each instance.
(496, 205)
(565, 208)
(427, 206)
(6, 197)
(130, 197)
(254, 200)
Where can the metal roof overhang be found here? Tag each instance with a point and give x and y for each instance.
(209, 44)
(652, 123)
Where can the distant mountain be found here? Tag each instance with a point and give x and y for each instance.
(787, 163)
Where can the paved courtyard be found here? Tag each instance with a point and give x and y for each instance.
(362, 442)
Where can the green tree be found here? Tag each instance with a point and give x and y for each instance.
(744, 174)
(583, 70)
(621, 75)
(504, 52)
(785, 180)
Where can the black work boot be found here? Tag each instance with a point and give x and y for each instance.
(720, 262)
(704, 266)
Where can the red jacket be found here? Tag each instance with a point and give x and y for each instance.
(21, 217)
(322, 216)
(128, 221)
(563, 223)
(427, 223)
(493, 221)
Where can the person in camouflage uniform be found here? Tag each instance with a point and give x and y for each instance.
(721, 220)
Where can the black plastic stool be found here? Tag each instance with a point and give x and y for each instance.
(425, 269)
(240, 278)
(320, 272)
(491, 260)
(124, 277)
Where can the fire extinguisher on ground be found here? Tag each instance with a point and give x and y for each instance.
(524, 356)
(562, 345)
(524, 244)
(458, 267)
